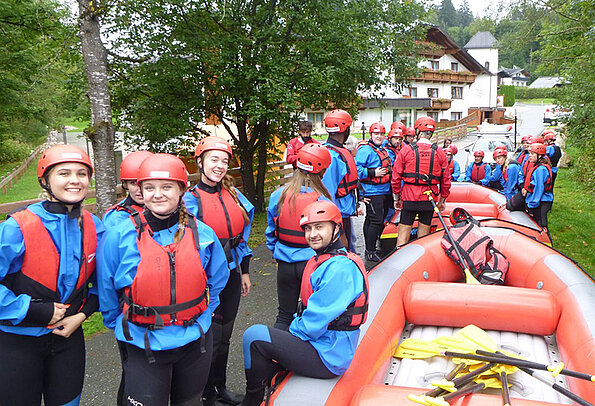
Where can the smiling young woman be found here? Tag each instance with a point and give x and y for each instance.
(47, 285)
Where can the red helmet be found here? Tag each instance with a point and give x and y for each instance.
(163, 166)
(536, 140)
(425, 124)
(320, 210)
(213, 143)
(453, 149)
(313, 158)
(395, 132)
(499, 152)
(548, 131)
(550, 137)
(526, 138)
(62, 153)
(409, 131)
(131, 164)
(337, 121)
(479, 153)
(377, 128)
(398, 125)
(538, 148)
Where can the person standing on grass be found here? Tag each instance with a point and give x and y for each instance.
(374, 171)
(134, 201)
(554, 152)
(48, 285)
(284, 236)
(160, 276)
(295, 144)
(217, 203)
(420, 166)
(538, 187)
(323, 336)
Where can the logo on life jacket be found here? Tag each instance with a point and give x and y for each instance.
(548, 187)
(38, 276)
(287, 227)
(356, 313)
(424, 169)
(349, 182)
(384, 163)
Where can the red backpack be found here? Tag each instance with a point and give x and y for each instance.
(488, 265)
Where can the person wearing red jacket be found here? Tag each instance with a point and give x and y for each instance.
(295, 144)
(420, 166)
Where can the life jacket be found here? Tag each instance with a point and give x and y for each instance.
(384, 163)
(218, 206)
(505, 172)
(488, 265)
(170, 285)
(349, 182)
(423, 169)
(549, 186)
(356, 313)
(522, 156)
(557, 155)
(527, 166)
(287, 224)
(451, 167)
(478, 172)
(395, 150)
(38, 276)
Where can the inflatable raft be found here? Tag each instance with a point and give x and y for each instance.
(483, 204)
(546, 313)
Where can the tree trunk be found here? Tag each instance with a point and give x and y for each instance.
(246, 163)
(101, 132)
(263, 134)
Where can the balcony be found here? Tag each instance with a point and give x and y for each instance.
(441, 104)
(446, 76)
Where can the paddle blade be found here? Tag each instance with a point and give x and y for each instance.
(478, 337)
(416, 349)
(448, 343)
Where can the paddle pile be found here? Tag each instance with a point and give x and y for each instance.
(479, 365)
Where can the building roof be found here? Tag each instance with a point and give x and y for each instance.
(547, 82)
(482, 39)
(437, 36)
(512, 72)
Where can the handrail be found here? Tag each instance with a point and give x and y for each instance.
(10, 180)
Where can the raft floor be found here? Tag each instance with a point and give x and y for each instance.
(420, 373)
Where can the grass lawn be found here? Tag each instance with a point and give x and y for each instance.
(572, 221)
(79, 124)
(536, 101)
(25, 188)
(259, 224)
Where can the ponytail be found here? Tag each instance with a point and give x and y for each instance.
(302, 179)
(182, 223)
(227, 184)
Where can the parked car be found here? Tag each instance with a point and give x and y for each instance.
(555, 114)
(488, 144)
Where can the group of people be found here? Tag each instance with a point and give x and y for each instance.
(167, 266)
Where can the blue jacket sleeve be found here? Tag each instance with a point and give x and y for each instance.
(272, 213)
(486, 178)
(335, 284)
(538, 179)
(364, 160)
(243, 250)
(496, 174)
(215, 265)
(13, 308)
(456, 173)
(468, 172)
(334, 173)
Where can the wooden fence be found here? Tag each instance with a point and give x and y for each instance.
(18, 172)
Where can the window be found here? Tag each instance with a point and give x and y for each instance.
(456, 115)
(316, 119)
(457, 92)
(410, 91)
(403, 116)
(434, 65)
(433, 92)
(487, 65)
(433, 114)
(454, 66)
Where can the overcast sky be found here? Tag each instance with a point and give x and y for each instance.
(479, 7)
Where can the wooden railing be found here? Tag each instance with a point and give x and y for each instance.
(18, 172)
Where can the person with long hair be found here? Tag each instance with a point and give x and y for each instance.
(134, 201)
(47, 285)
(222, 207)
(507, 172)
(322, 338)
(160, 277)
(284, 236)
(538, 186)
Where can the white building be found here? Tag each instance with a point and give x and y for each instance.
(454, 82)
(513, 77)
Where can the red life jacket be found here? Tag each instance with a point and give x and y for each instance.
(128, 208)
(395, 150)
(424, 168)
(384, 163)
(356, 313)
(39, 272)
(521, 157)
(349, 181)
(451, 167)
(548, 183)
(221, 205)
(287, 225)
(170, 285)
(505, 171)
(527, 167)
(478, 172)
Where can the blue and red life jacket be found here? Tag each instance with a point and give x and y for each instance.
(349, 182)
(384, 163)
(287, 224)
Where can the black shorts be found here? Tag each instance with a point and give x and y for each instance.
(423, 209)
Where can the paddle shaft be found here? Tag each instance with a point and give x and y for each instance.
(449, 376)
(499, 359)
(505, 392)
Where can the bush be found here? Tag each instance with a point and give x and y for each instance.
(528, 93)
(13, 151)
(509, 94)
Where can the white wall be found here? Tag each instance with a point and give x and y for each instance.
(483, 55)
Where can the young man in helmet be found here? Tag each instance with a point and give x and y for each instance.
(409, 135)
(323, 336)
(420, 166)
(478, 172)
(341, 178)
(295, 144)
(553, 152)
(394, 144)
(374, 171)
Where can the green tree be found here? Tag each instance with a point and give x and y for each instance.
(253, 65)
(447, 15)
